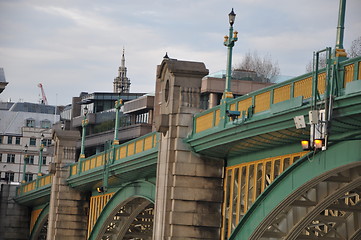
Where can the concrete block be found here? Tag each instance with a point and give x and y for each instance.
(69, 195)
(70, 225)
(184, 206)
(197, 182)
(76, 218)
(196, 194)
(183, 132)
(194, 232)
(184, 169)
(207, 220)
(181, 218)
(67, 210)
(71, 203)
(195, 219)
(62, 233)
(209, 170)
(179, 144)
(184, 119)
(201, 170)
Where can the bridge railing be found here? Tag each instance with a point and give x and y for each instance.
(138, 145)
(36, 184)
(262, 100)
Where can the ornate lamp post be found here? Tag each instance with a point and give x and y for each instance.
(84, 123)
(41, 149)
(118, 105)
(229, 43)
(25, 162)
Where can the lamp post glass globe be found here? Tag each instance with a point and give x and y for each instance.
(232, 17)
(85, 110)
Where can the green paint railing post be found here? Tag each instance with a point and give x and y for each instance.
(328, 84)
(118, 105)
(109, 154)
(229, 43)
(315, 79)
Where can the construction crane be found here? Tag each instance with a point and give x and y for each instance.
(43, 97)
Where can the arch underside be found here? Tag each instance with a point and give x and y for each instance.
(40, 229)
(43, 231)
(327, 208)
(133, 220)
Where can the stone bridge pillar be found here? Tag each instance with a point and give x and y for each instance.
(189, 187)
(68, 207)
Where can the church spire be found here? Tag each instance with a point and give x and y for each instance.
(121, 83)
(122, 65)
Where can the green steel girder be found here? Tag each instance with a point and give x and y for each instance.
(219, 142)
(138, 166)
(138, 189)
(40, 221)
(346, 153)
(35, 197)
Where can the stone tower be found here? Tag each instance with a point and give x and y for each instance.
(189, 187)
(121, 83)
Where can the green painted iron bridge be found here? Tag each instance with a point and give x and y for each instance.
(273, 188)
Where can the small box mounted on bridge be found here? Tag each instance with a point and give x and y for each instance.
(233, 114)
(299, 122)
(313, 116)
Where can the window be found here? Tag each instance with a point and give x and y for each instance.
(45, 124)
(32, 142)
(11, 158)
(46, 142)
(9, 176)
(1, 157)
(30, 123)
(28, 177)
(17, 140)
(30, 159)
(1, 139)
(44, 161)
(10, 140)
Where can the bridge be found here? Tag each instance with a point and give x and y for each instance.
(240, 171)
(283, 162)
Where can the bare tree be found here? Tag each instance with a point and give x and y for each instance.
(355, 49)
(265, 67)
(321, 63)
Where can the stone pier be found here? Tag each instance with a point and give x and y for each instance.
(14, 218)
(189, 187)
(68, 207)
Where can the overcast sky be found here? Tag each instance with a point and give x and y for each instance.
(73, 46)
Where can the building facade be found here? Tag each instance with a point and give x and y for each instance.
(25, 137)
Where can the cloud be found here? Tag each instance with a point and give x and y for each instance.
(74, 46)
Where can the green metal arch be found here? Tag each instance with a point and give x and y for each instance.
(311, 166)
(142, 189)
(43, 216)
